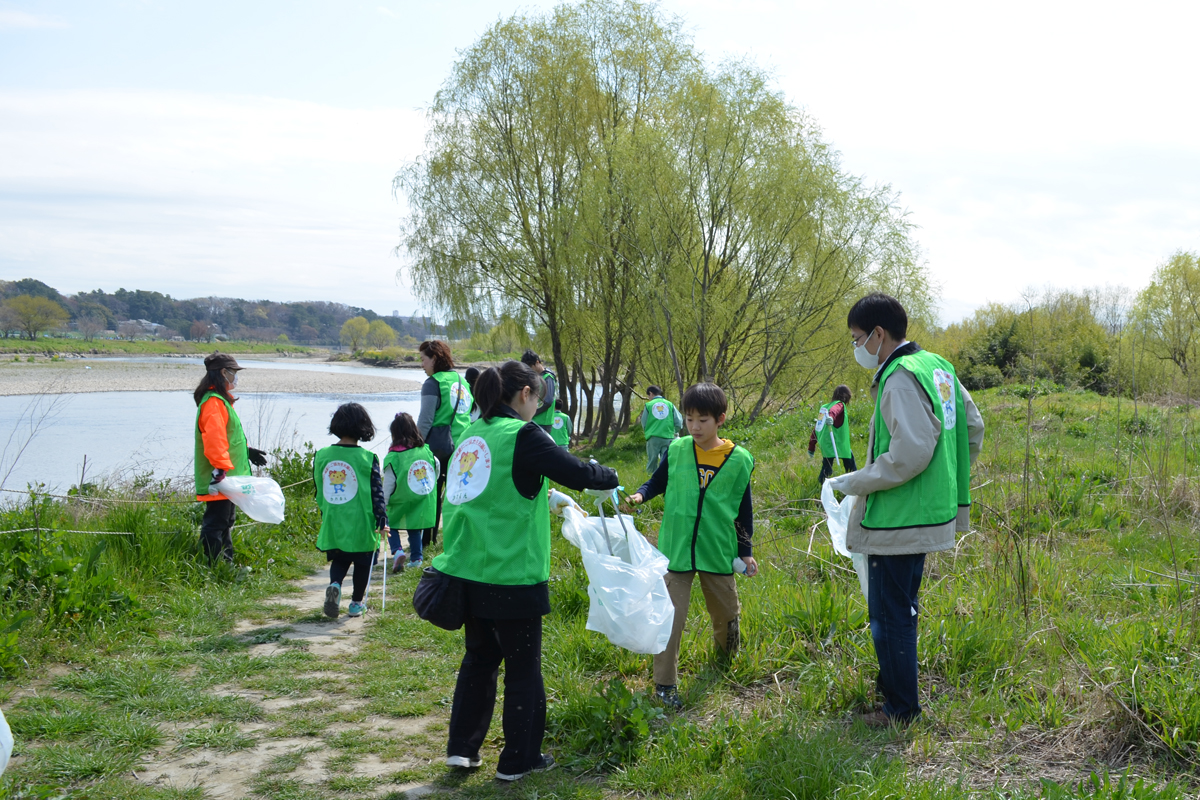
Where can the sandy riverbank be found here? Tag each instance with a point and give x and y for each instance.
(100, 375)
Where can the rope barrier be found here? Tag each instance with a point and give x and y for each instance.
(92, 533)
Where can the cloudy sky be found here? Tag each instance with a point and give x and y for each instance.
(247, 148)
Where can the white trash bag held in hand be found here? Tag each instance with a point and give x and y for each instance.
(837, 517)
(628, 597)
(260, 498)
(6, 743)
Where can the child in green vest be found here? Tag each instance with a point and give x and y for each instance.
(350, 495)
(707, 526)
(410, 475)
(660, 420)
(560, 429)
(832, 433)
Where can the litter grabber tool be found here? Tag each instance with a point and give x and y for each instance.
(384, 560)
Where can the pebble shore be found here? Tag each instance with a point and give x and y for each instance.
(84, 375)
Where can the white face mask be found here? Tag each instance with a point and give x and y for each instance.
(864, 357)
(233, 381)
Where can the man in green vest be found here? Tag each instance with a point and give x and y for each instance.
(545, 412)
(913, 494)
(661, 421)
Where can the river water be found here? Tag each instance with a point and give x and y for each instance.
(127, 434)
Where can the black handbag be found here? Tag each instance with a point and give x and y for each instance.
(441, 599)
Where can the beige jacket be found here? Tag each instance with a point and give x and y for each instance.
(906, 410)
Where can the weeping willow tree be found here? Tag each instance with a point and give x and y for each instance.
(657, 220)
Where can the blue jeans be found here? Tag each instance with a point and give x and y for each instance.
(415, 543)
(892, 586)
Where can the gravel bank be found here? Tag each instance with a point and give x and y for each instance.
(97, 375)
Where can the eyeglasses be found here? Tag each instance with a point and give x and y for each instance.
(854, 341)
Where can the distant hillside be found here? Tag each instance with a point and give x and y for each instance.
(310, 322)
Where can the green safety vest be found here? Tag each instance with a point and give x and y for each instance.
(660, 419)
(835, 442)
(560, 429)
(934, 497)
(546, 417)
(455, 409)
(343, 479)
(697, 530)
(491, 533)
(238, 453)
(413, 504)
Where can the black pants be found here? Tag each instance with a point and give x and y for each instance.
(216, 529)
(431, 533)
(339, 565)
(827, 467)
(518, 643)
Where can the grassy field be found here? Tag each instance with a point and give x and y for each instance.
(51, 346)
(1058, 644)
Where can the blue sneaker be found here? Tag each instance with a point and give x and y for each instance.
(333, 598)
(357, 609)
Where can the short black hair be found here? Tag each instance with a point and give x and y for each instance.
(351, 421)
(705, 398)
(530, 358)
(497, 385)
(654, 390)
(879, 310)
(842, 394)
(558, 406)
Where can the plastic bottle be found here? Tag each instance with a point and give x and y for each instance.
(739, 566)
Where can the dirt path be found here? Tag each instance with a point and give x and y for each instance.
(258, 758)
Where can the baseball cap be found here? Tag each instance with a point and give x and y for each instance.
(221, 360)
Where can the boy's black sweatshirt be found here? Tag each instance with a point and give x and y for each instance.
(743, 525)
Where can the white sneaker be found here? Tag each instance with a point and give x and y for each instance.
(463, 761)
(545, 764)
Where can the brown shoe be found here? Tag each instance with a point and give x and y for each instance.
(875, 719)
(879, 719)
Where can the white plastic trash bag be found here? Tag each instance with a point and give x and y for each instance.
(629, 600)
(837, 517)
(6, 743)
(260, 498)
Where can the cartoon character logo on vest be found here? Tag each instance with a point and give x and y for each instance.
(339, 482)
(557, 424)
(660, 410)
(469, 470)
(944, 382)
(460, 396)
(420, 477)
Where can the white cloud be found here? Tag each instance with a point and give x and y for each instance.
(183, 193)
(21, 19)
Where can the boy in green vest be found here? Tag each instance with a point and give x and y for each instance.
(560, 429)
(661, 421)
(832, 433)
(912, 495)
(708, 522)
(545, 412)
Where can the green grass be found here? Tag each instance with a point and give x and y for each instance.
(1058, 645)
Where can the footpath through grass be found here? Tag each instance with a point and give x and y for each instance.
(1058, 645)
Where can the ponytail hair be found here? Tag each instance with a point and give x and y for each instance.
(497, 385)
